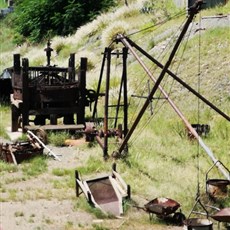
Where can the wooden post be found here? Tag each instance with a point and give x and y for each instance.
(25, 93)
(71, 69)
(82, 88)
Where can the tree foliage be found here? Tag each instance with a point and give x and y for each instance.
(37, 20)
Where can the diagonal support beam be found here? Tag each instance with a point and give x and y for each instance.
(193, 11)
(132, 44)
(188, 125)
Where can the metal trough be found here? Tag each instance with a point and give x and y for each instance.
(105, 193)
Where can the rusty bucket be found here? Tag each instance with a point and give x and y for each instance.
(198, 224)
(217, 187)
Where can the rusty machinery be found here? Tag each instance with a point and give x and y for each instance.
(48, 93)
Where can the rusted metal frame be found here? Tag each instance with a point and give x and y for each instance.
(187, 124)
(25, 93)
(122, 39)
(106, 110)
(179, 80)
(99, 84)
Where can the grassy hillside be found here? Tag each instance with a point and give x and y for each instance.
(162, 161)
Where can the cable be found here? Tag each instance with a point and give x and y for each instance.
(158, 24)
(153, 115)
(198, 108)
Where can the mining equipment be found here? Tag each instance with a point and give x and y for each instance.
(43, 94)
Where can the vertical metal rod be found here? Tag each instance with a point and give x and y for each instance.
(76, 183)
(124, 76)
(162, 74)
(151, 104)
(106, 109)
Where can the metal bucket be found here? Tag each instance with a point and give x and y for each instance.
(198, 224)
(217, 187)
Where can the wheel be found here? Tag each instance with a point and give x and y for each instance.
(179, 218)
(42, 135)
(90, 96)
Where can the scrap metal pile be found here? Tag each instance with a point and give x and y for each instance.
(20, 151)
(25, 150)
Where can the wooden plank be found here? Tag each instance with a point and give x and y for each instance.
(118, 186)
(120, 180)
(84, 190)
(55, 127)
(118, 193)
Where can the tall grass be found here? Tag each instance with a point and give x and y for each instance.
(35, 167)
(3, 4)
(4, 120)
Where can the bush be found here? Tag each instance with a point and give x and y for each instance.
(39, 20)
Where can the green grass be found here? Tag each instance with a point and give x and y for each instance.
(3, 4)
(61, 172)
(4, 120)
(5, 167)
(58, 138)
(35, 167)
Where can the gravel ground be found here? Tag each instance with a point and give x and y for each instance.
(37, 205)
